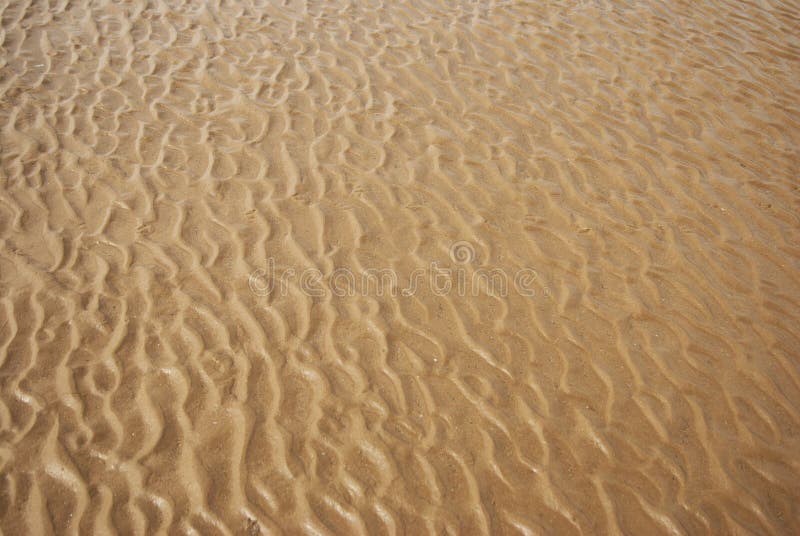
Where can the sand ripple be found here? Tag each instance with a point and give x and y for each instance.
(640, 159)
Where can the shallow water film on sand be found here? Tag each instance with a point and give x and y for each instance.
(412, 267)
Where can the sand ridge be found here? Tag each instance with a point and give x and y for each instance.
(163, 163)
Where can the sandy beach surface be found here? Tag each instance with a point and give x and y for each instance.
(412, 267)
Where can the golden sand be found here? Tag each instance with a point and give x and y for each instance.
(413, 267)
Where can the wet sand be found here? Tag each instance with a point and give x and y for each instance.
(191, 195)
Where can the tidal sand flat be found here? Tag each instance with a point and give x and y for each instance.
(400, 267)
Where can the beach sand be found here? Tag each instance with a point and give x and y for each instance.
(413, 267)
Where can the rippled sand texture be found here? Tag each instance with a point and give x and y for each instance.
(641, 157)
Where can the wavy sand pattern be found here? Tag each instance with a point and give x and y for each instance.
(640, 156)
